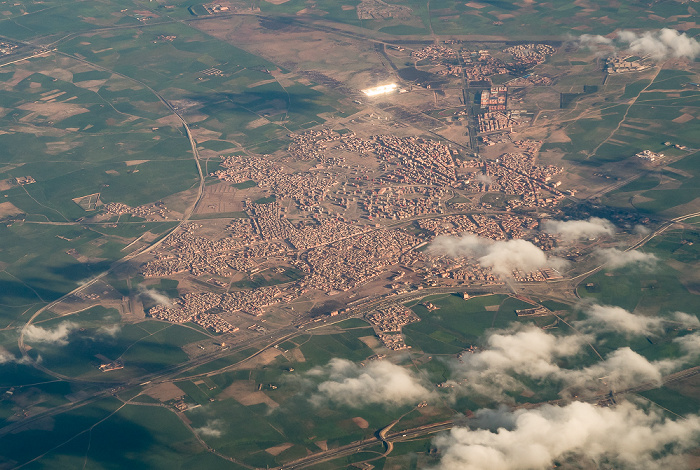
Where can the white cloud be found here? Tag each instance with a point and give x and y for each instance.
(690, 345)
(621, 369)
(528, 351)
(58, 335)
(524, 350)
(484, 178)
(686, 319)
(501, 256)
(618, 320)
(614, 258)
(572, 230)
(640, 229)
(109, 330)
(594, 40)
(6, 357)
(378, 382)
(623, 437)
(603, 318)
(157, 297)
(213, 428)
(662, 44)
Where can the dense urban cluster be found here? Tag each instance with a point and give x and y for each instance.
(401, 202)
(306, 189)
(147, 211)
(516, 174)
(625, 64)
(187, 252)
(462, 271)
(312, 145)
(497, 121)
(379, 10)
(479, 65)
(392, 318)
(345, 264)
(269, 224)
(7, 48)
(528, 55)
(434, 52)
(495, 227)
(205, 308)
(393, 341)
(388, 322)
(322, 223)
(242, 168)
(494, 99)
(415, 160)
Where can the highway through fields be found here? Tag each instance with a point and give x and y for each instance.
(664, 226)
(426, 430)
(188, 213)
(263, 342)
(379, 438)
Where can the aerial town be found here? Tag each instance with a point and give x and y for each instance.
(348, 214)
(329, 223)
(363, 209)
(301, 234)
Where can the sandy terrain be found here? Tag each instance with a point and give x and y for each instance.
(362, 423)
(7, 184)
(323, 445)
(277, 450)
(684, 118)
(371, 341)
(7, 208)
(54, 111)
(297, 355)
(246, 393)
(220, 198)
(164, 391)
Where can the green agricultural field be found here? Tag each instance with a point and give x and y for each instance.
(153, 434)
(319, 349)
(494, 17)
(658, 290)
(96, 334)
(456, 324)
(672, 399)
(664, 200)
(219, 363)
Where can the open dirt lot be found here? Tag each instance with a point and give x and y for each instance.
(165, 391)
(246, 393)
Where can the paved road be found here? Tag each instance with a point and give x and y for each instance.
(188, 213)
(382, 436)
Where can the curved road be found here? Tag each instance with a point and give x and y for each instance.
(116, 264)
